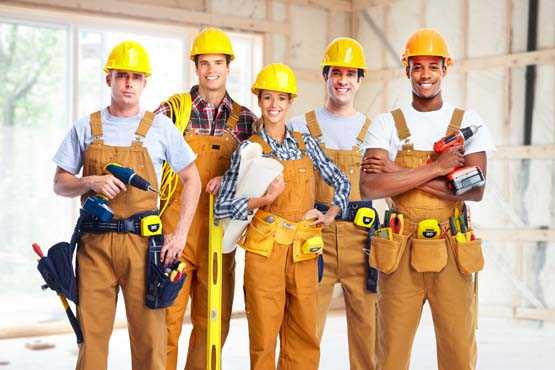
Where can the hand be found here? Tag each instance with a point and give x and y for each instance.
(214, 185)
(172, 249)
(319, 217)
(275, 189)
(106, 184)
(378, 164)
(451, 158)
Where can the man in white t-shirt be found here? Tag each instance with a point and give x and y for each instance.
(340, 129)
(108, 260)
(400, 164)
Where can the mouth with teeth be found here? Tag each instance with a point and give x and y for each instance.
(212, 78)
(273, 112)
(342, 90)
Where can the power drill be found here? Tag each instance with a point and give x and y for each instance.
(461, 179)
(97, 204)
(129, 177)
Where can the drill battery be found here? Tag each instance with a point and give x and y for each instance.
(464, 179)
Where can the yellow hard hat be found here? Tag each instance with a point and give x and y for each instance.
(344, 52)
(212, 40)
(129, 56)
(276, 77)
(426, 42)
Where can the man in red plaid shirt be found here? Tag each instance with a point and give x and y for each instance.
(213, 125)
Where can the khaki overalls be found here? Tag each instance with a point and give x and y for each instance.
(213, 159)
(109, 260)
(425, 269)
(280, 280)
(344, 259)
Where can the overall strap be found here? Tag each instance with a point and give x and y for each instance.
(234, 116)
(456, 120)
(256, 138)
(362, 133)
(96, 127)
(300, 141)
(402, 128)
(313, 126)
(144, 126)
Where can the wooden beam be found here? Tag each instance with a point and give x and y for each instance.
(535, 314)
(268, 51)
(545, 56)
(365, 4)
(525, 152)
(336, 5)
(153, 13)
(516, 235)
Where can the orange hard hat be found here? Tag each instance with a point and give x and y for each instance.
(426, 42)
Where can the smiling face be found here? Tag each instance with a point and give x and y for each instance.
(342, 85)
(126, 87)
(426, 74)
(273, 106)
(212, 71)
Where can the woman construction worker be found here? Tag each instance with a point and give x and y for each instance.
(340, 130)
(106, 259)
(426, 250)
(214, 125)
(284, 237)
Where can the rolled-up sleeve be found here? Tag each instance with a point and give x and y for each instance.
(331, 174)
(227, 205)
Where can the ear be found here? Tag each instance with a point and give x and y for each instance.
(407, 71)
(109, 79)
(444, 68)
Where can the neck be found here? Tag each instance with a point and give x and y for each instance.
(275, 130)
(123, 110)
(214, 97)
(427, 104)
(340, 109)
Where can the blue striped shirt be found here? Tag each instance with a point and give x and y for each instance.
(229, 206)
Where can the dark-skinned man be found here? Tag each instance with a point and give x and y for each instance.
(400, 164)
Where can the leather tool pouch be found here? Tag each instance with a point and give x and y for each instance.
(385, 254)
(428, 255)
(469, 256)
(259, 237)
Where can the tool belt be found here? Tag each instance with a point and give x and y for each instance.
(350, 213)
(134, 224)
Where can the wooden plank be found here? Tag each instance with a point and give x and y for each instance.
(336, 5)
(308, 74)
(525, 152)
(516, 235)
(365, 4)
(545, 56)
(153, 13)
(268, 50)
(535, 314)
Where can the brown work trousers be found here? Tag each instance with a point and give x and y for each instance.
(345, 263)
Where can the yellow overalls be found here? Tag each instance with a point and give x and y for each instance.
(109, 260)
(213, 159)
(344, 259)
(280, 280)
(415, 270)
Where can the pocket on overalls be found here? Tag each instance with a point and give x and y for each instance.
(428, 255)
(386, 254)
(469, 256)
(308, 243)
(259, 237)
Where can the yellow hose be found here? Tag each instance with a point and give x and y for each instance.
(180, 112)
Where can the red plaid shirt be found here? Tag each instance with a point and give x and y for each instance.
(207, 119)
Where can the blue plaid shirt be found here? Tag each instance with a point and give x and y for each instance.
(228, 206)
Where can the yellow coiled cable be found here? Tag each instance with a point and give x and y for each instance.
(180, 112)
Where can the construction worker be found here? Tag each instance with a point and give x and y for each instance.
(400, 163)
(106, 261)
(340, 130)
(280, 262)
(214, 125)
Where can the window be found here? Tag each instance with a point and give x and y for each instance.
(51, 73)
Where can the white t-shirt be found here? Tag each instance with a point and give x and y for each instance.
(425, 129)
(338, 132)
(163, 141)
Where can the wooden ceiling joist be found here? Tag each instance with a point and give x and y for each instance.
(154, 13)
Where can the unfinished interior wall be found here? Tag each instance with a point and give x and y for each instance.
(519, 197)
